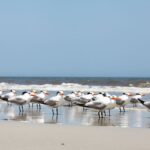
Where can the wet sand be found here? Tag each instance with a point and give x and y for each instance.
(133, 117)
(25, 136)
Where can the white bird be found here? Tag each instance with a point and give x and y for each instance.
(123, 100)
(111, 105)
(39, 98)
(98, 96)
(6, 97)
(101, 103)
(21, 100)
(134, 99)
(84, 98)
(55, 101)
(72, 97)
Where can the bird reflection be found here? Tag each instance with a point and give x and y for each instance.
(9, 111)
(27, 116)
(53, 119)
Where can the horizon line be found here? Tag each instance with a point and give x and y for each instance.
(15, 76)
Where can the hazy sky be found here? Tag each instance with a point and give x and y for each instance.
(75, 38)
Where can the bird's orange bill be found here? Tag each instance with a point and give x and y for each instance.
(116, 98)
(130, 94)
(33, 94)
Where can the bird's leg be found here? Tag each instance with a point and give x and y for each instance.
(22, 109)
(109, 112)
(83, 108)
(99, 114)
(32, 105)
(120, 109)
(123, 108)
(102, 114)
(57, 111)
(19, 109)
(52, 111)
(69, 104)
(39, 106)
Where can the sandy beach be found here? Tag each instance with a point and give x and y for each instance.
(16, 136)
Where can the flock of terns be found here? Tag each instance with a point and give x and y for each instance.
(100, 101)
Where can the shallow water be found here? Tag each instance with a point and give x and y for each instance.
(137, 117)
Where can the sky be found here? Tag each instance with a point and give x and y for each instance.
(75, 38)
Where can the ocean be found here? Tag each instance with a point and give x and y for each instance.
(105, 81)
(109, 84)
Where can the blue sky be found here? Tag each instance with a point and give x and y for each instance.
(75, 38)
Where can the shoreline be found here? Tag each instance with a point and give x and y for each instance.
(16, 136)
(75, 87)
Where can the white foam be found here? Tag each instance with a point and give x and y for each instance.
(73, 87)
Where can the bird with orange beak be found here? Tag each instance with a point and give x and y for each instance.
(55, 101)
(122, 101)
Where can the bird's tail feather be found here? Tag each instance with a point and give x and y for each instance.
(141, 101)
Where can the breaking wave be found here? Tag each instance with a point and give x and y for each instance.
(73, 87)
